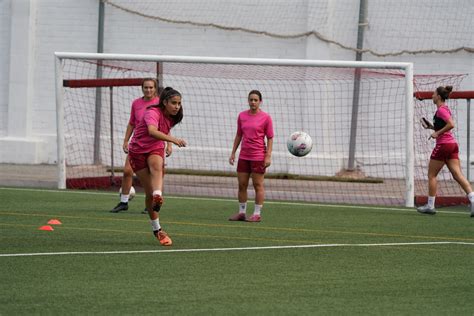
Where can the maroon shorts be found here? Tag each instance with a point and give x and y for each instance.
(140, 161)
(445, 152)
(250, 166)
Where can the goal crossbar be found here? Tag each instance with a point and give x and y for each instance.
(238, 61)
(426, 95)
(101, 83)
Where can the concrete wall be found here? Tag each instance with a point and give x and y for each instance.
(31, 31)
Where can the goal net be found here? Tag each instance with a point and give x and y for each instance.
(359, 115)
(391, 28)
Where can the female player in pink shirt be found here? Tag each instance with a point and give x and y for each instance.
(147, 153)
(253, 126)
(446, 152)
(149, 89)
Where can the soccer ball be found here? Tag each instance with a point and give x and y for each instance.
(299, 144)
(131, 195)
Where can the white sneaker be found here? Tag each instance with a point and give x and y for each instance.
(426, 209)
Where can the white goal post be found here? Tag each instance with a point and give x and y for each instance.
(283, 71)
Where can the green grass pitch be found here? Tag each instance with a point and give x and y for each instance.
(302, 259)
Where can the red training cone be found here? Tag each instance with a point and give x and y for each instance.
(54, 222)
(46, 227)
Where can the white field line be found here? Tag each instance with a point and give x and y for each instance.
(230, 249)
(400, 209)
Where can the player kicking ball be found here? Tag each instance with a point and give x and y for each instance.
(147, 153)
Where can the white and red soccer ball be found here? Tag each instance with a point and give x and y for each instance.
(299, 144)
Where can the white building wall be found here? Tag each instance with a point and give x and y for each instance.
(71, 25)
(5, 9)
(149, 36)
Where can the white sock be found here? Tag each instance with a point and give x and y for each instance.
(257, 209)
(243, 208)
(470, 196)
(155, 223)
(431, 201)
(157, 192)
(124, 198)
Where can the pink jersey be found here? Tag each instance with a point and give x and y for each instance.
(138, 109)
(253, 128)
(444, 114)
(141, 141)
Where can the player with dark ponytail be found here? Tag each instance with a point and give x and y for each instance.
(147, 153)
(446, 151)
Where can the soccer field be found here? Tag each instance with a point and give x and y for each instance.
(302, 259)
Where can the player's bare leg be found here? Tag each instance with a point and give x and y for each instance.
(243, 180)
(257, 180)
(146, 179)
(434, 168)
(127, 180)
(155, 164)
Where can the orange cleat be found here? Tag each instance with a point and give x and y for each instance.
(163, 238)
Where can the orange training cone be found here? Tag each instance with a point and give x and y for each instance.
(54, 222)
(46, 227)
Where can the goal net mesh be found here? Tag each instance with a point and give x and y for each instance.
(319, 101)
(392, 28)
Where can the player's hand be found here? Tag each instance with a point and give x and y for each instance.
(426, 124)
(434, 135)
(268, 162)
(179, 142)
(232, 160)
(125, 148)
(169, 150)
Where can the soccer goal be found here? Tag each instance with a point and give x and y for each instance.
(360, 116)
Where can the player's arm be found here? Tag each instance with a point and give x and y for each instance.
(126, 139)
(268, 153)
(155, 133)
(449, 126)
(237, 140)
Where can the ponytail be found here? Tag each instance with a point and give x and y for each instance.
(444, 92)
